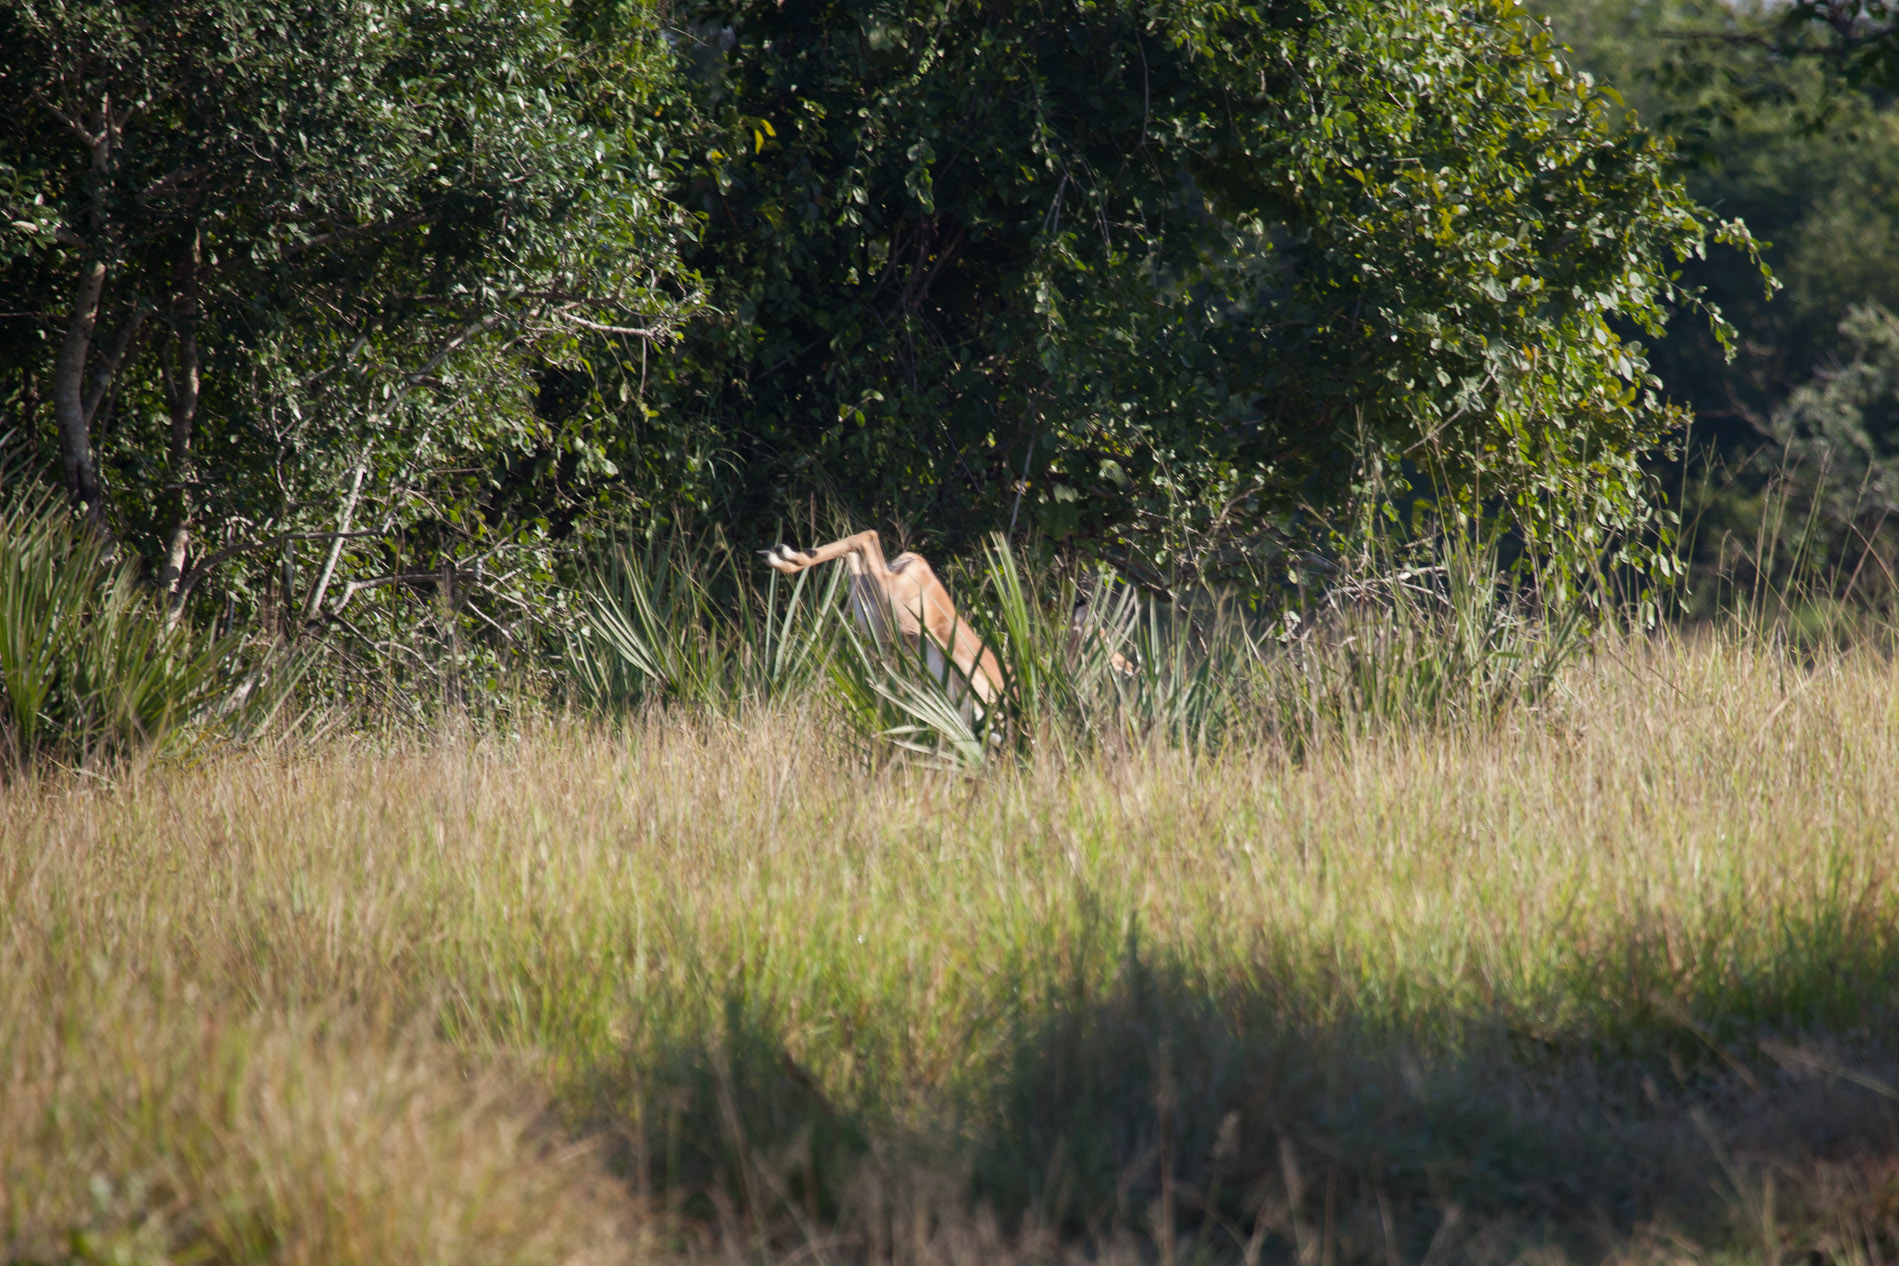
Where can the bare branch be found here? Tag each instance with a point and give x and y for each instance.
(488, 620)
(449, 349)
(169, 180)
(353, 587)
(73, 124)
(408, 383)
(342, 363)
(315, 602)
(597, 327)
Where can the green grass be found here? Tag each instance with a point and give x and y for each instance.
(1607, 977)
(1436, 635)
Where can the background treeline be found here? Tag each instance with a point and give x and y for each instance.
(1783, 116)
(363, 319)
(359, 317)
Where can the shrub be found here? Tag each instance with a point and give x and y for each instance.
(91, 668)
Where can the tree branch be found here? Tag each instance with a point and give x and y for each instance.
(315, 601)
(356, 231)
(109, 367)
(353, 587)
(177, 176)
(597, 327)
(73, 124)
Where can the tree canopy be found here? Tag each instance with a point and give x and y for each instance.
(303, 300)
(1784, 117)
(281, 276)
(1138, 271)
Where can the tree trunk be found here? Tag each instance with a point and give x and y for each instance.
(72, 411)
(69, 394)
(181, 390)
(181, 395)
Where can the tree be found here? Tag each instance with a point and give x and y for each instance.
(1781, 120)
(1838, 436)
(271, 264)
(1164, 273)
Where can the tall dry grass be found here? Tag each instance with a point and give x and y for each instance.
(1610, 977)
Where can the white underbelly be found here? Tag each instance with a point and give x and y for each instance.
(868, 605)
(953, 681)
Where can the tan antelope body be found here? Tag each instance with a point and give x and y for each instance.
(905, 590)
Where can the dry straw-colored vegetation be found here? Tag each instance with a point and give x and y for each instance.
(1606, 977)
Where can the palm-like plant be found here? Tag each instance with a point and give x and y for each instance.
(1087, 665)
(90, 666)
(1080, 671)
(652, 629)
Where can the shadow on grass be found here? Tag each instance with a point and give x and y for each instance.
(1220, 1122)
(1147, 1113)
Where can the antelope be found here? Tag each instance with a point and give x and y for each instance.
(905, 590)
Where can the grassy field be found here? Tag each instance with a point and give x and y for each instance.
(1611, 978)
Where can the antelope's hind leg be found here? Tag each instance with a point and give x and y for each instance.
(862, 553)
(785, 560)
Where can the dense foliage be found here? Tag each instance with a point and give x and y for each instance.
(89, 666)
(1166, 273)
(349, 314)
(280, 278)
(1784, 117)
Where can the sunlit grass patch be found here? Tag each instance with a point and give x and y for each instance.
(144, 1118)
(1594, 976)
